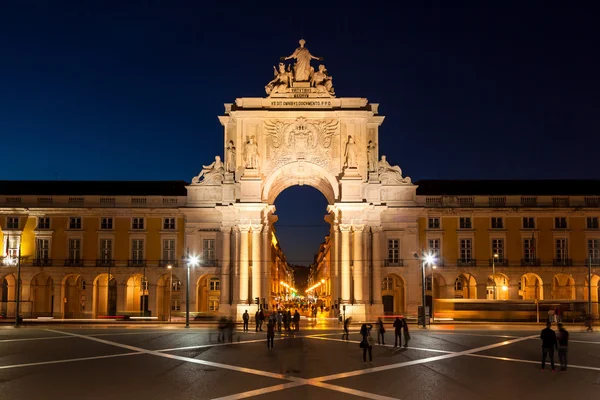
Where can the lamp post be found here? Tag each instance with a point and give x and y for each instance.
(18, 296)
(425, 259)
(494, 274)
(590, 285)
(170, 267)
(191, 262)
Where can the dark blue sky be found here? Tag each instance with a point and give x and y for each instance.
(132, 89)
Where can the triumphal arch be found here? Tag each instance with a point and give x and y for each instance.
(301, 133)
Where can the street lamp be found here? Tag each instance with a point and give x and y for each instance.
(494, 273)
(192, 261)
(425, 259)
(170, 267)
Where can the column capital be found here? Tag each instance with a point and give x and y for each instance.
(226, 228)
(256, 228)
(244, 228)
(376, 228)
(345, 227)
(358, 228)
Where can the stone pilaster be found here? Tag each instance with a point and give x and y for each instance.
(358, 263)
(226, 264)
(345, 262)
(256, 261)
(243, 252)
(377, 264)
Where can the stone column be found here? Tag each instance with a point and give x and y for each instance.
(345, 262)
(59, 301)
(358, 263)
(335, 265)
(243, 254)
(226, 266)
(152, 305)
(256, 262)
(266, 264)
(235, 267)
(377, 263)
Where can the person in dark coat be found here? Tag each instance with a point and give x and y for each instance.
(549, 343)
(261, 319)
(365, 331)
(398, 332)
(380, 332)
(270, 334)
(297, 320)
(405, 331)
(563, 343)
(256, 320)
(346, 328)
(245, 318)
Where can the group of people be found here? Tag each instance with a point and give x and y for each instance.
(400, 328)
(282, 320)
(552, 341)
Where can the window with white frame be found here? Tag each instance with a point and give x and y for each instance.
(42, 249)
(528, 223)
(12, 222)
(175, 305)
(176, 286)
(214, 284)
(498, 248)
(106, 249)
(393, 251)
(466, 250)
(43, 223)
(434, 247)
(168, 223)
(433, 223)
(168, 250)
(592, 223)
(208, 250)
(213, 304)
(529, 249)
(137, 249)
(561, 249)
(13, 246)
(106, 223)
(593, 246)
(465, 223)
(387, 283)
(497, 223)
(137, 223)
(74, 250)
(458, 284)
(560, 223)
(74, 222)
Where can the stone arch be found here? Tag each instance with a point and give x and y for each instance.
(531, 287)
(563, 287)
(595, 288)
(208, 293)
(73, 294)
(501, 286)
(7, 295)
(42, 296)
(393, 294)
(104, 295)
(301, 173)
(136, 295)
(435, 288)
(465, 286)
(168, 296)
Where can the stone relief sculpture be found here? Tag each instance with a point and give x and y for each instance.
(281, 81)
(302, 68)
(350, 154)
(213, 174)
(372, 156)
(322, 81)
(390, 174)
(230, 157)
(251, 154)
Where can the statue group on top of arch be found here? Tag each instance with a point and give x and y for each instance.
(212, 174)
(302, 71)
(390, 175)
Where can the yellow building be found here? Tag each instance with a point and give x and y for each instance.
(70, 237)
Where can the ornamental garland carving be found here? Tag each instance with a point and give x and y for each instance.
(309, 140)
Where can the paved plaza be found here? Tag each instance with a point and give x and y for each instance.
(170, 362)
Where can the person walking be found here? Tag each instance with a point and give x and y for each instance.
(289, 320)
(346, 328)
(270, 334)
(279, 321)
(588, 322)
(563, 343)
(380, 332)
(398, 326)
(256, 320)
(245, 318)
(367, 342)
(406, 334)
(548, 345)
(297, 321)
(261, 319)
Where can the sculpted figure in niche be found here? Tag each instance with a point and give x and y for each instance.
(230, 157)
(212, 173)
(322, 80)
(372, 156)
(281, 81)
(302, 65)
(251, 153)
(350, 154)
(390, 174)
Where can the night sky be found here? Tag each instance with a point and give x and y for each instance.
(118, 90)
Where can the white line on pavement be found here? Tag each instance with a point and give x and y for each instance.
(68, 360)
(528, 361)
(379, 345)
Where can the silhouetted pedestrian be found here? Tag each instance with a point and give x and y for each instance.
(256, 320)
(297, 320)
(279, 321)
(380, 332)
(548, 345)
(261, 319)
(367, 342)
(563, 343)
(406, 334)
(245, 318)
(346, 328)
(398, 325)
(270, 334)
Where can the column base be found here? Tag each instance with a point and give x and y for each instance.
(358, 312)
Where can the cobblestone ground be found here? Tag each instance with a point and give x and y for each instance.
(169, 362)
